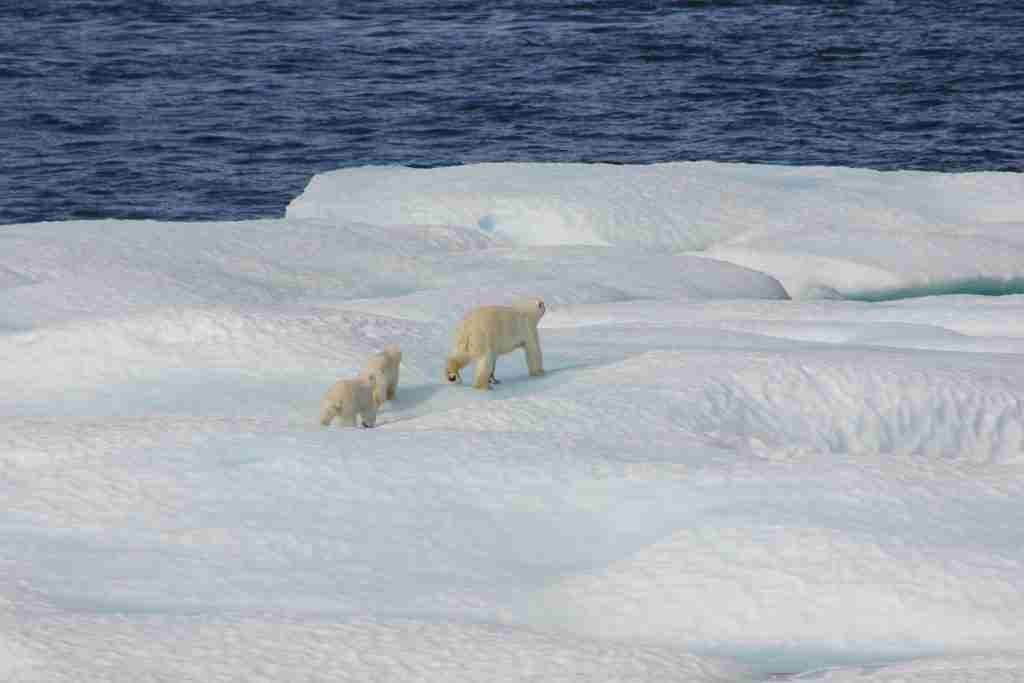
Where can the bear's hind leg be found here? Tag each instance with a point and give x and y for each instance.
(393, 385)
(379, 392)
(534, 359)
(347, 416)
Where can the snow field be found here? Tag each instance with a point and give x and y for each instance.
(820, 231)
(195, 648)
(712, 482)
(683, 205)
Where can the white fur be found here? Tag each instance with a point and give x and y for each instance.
(348, 398)
(490, 331)
(384, 367)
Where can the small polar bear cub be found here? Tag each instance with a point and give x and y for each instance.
(348, 398)
(384, 367)
(491, 331)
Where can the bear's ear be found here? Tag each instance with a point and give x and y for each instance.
(540, 306)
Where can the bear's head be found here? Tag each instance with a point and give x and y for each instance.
(452, 372)
(535, 307)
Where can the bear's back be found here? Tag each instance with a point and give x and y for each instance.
(349, 390)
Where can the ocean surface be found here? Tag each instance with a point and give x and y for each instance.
(200, 109)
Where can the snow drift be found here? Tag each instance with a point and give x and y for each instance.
(821, 231)
(713, 481)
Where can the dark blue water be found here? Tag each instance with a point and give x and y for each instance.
(223, 109)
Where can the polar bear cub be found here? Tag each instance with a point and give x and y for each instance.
(490, 331)
(384, 367)
(348, 398)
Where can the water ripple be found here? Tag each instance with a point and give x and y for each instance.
(194, 110)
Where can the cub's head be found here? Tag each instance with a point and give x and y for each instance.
(378, 387)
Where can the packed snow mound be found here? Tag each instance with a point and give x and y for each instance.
(879, 265)
(88, 268)
(18, 662)
(574, 276)
(996, 668)
(928, 597)
(979, 324)
(327, 651)
(898, 404)
(777, 403)
(822, 232)
(675, 206)
(82, 269)
(160, 357)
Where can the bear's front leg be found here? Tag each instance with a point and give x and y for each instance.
(534, 360)
(369, 417)
(485, 370)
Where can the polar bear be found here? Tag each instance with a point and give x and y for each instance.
(349, 397)
(490, 331)
(384, 367)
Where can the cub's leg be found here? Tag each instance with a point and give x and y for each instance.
(377, 392)
(328, 414)
(369, 416)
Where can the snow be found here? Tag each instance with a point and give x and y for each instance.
(854, 232)
(747, 459)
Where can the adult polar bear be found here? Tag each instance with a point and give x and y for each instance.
(491, 331)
